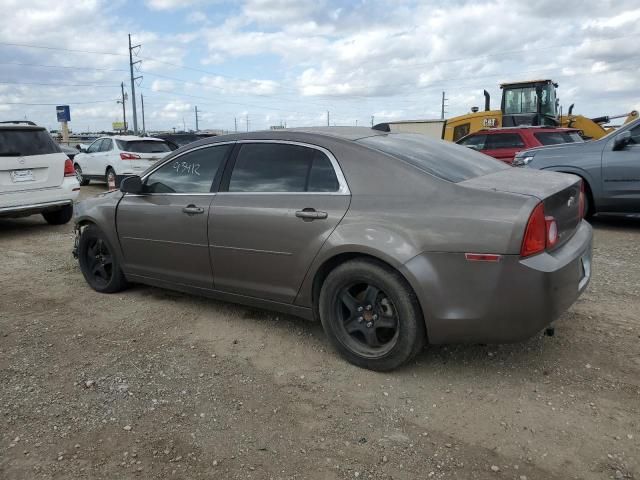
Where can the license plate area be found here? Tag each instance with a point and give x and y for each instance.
(18, 176)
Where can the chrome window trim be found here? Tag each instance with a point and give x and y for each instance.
(343, 187)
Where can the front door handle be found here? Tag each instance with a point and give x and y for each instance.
(192, 210)
(308, 214)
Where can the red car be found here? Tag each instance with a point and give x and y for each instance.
(504, 143)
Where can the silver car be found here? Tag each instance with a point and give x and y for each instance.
(609, 168)
(392, 240)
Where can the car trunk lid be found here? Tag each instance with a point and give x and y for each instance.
(29, 159)
(559, 193)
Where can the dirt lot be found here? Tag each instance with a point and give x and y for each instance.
(155, 384)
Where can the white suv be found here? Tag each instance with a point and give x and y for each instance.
(35, 176)
(109, 159)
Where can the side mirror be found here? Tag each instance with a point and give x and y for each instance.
(621, 140)
(131, 185)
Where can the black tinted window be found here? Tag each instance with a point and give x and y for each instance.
(192, 172)
(635, 134)
(143, 146)
(443, 159)
(23, 142)
(555, 138)
(322, 177)
(503, 140)
(274, 167)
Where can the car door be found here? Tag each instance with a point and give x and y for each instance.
(278, 203)
(105, 157)
(89, 161)
(503, 146)
(621, 174)
(163, 231)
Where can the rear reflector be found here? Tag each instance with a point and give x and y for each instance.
(482, 257)
(552, 231)
(129, 156)
(535, 235)
(69, 171)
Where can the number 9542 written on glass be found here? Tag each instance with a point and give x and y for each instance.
(187, 168)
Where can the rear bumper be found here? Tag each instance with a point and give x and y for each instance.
(507, 301)
(29, 202)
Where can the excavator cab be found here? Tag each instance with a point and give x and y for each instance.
(530, 103)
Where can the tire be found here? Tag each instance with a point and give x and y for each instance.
(98, 264)
(371, 315)
(110, 172)
(60, 216)
(589, 207)
(81, 180)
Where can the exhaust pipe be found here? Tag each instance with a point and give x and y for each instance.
(487, 101)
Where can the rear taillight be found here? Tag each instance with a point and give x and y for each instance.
(581, 202)
(129, 156)
(69, 171)
(541, 232)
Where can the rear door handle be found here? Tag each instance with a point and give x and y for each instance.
(309, 214)
(192, 210)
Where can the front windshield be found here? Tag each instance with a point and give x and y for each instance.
(525, 100)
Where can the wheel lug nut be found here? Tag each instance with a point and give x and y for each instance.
(368, 307)
(375, 316)
(360, 319)
(360, 308)
(369, 324)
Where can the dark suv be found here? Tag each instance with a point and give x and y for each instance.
(504, 143)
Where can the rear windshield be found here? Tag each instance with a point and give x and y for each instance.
(24, 142)
(143, 146)
(554, 138)
(443, 159)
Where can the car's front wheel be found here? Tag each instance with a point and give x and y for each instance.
(371, 315)
(59, 216)
(98, 263)
(81, 180)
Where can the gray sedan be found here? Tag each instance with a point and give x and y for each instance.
(609, 167)
(392, 240)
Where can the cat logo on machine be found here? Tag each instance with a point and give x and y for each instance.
(490, 122)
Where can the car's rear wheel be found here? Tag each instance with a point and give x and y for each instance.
(371, 315)
(81, 180)
(98, 263)
(59, 216)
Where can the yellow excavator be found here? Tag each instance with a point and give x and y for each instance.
(532, 102)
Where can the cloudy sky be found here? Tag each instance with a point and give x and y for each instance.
(291, 61)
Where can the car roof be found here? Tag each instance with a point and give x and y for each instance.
(342, 133)
(20, 126)
(130, 138)
(529, 128)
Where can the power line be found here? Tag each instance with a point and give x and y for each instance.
(59, 103)
(74, 50)
(92, 85)
(40, 65)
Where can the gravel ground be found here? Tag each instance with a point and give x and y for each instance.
(155, 384)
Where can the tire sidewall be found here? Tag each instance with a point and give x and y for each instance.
(411, 332)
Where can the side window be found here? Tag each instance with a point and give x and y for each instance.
(107, 144)
(279, 167)
(635, 135)
(461, 131)
(475, 142)
(192, 172)
(95, 146)
(503, 140)
(322, 176)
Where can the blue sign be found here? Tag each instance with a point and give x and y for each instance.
(63, 112)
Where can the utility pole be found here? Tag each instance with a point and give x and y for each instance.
(124, 110)
(196, 109)
(144, 128)
(133, 86)
(247, 122)
(372, 120)
(235, 123)
(184, 125)
(442, 112)
(327, 118)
